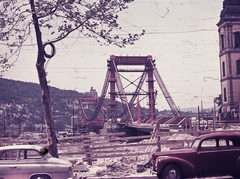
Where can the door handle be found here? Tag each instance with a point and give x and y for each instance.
(13, 167)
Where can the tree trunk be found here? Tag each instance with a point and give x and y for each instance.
(52, 140)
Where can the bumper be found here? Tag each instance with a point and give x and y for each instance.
(72, 177)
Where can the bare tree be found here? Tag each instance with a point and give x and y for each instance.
(96, 19)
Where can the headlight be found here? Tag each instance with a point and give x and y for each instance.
(154, 164)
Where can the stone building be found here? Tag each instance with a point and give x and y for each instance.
(229, 55)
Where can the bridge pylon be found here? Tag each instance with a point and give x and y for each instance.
(143, 65)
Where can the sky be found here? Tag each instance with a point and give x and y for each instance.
(181, 35)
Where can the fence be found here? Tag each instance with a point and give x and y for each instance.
(93, 147)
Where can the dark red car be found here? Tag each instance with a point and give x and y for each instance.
(212, 154)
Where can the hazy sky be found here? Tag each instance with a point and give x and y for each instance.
(181, 35)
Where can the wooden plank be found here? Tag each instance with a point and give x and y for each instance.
(95, 146)
(116, 155)
(95, 152)
(143, 144)
(92, 136)
(72, 153)
(87, 144)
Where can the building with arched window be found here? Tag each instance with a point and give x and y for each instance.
(229, 45)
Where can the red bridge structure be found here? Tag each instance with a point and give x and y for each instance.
(117, 66)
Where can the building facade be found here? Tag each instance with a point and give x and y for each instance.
(229, 55)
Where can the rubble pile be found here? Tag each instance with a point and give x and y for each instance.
(122, 166)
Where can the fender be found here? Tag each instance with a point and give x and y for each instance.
(187, 168)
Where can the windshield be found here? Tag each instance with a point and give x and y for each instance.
(195, 143)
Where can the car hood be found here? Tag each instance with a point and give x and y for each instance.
(175, 152)
(59, 161)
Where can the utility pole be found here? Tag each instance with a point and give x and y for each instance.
(73, 119)
(214, 113)
(199, 119)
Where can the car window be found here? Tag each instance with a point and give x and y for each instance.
(195, 143)
(222, 143)
(8, 155)
(234, 141)
(209, 143)
(29, 154)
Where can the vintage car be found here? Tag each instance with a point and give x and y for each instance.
(212, 154)
(32, 162)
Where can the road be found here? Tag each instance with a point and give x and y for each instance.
(154, 177)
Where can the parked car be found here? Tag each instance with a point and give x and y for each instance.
(212, 154)
(32, 162)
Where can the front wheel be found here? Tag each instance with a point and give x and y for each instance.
(40, 177)
(171, 172)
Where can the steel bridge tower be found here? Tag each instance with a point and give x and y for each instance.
(144, 65)
(149, 71)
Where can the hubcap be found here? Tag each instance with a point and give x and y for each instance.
(41, 177)
(172, 174)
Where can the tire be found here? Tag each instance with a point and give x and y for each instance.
(171, 171)
(40, 177)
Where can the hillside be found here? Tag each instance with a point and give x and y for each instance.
(20, 105)
(21, 108)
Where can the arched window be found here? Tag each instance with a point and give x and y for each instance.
(237, 39)
(223, 69)
(224, 94)
(238, 66)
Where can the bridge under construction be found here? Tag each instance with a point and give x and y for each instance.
(129, 115)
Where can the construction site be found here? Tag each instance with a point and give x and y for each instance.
(122, 111)
(114, 135)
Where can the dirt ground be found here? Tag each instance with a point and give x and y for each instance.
(126, 167)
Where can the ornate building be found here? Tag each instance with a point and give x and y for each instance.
(229, 41)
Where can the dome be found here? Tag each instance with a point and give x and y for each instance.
(230, 2)
(230, 12)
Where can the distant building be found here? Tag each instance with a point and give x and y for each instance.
(93, 93)
(229, 43)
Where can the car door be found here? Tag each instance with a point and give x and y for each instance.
(231, 156)
(30, 162)
(210, 160)
(8, 164)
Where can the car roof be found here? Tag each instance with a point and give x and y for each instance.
(220, 134)
(11, 147)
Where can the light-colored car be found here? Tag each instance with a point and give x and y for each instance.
(32, 162)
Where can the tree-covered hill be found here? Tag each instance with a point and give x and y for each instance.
(20, 105)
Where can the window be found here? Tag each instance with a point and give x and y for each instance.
(238, 66)
(234, 142)
(224, 94)
(222, 143)
(29, 154)
(223, 68)
(195, 143)
(222, 41)
(237, 39)
(8, 155)
(209, 143)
